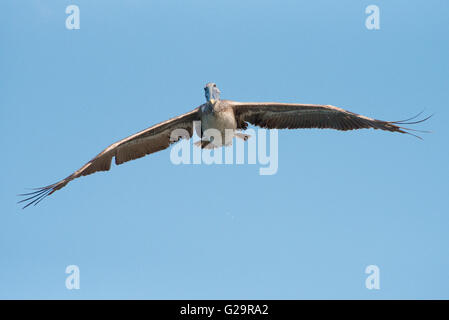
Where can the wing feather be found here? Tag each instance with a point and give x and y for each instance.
(153, 139)
(273, 115)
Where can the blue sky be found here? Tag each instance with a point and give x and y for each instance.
(339, 202)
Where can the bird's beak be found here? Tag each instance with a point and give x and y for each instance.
(212, 101)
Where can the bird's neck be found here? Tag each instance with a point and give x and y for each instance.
(213, 102)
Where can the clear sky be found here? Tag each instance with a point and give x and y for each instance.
(340, 201)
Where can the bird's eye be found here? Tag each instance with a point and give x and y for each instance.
(215, 85)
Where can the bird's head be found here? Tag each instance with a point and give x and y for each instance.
(211, 92)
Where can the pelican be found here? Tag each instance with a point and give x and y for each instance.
(222, 115)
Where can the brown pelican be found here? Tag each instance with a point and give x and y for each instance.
(222, 115)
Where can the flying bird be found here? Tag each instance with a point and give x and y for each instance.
(224, 116)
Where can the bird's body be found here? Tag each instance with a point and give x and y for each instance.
(218, 115)
(227, 118)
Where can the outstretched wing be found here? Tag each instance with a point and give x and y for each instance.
(153, 139)
(294, 116)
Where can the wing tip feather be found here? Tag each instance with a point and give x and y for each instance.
(36, 196)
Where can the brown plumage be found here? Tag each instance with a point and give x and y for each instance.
(222, 115)
(148, 141)
(272, 115)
